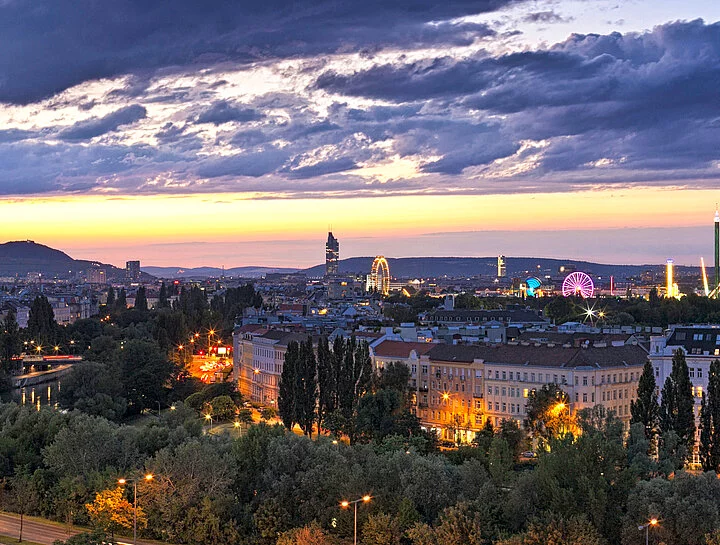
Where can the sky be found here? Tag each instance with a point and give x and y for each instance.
(229, 133)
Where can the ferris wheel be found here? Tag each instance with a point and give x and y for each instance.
(578, 283)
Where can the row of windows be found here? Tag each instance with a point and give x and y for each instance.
(610, 378)
(515, 408)
(513, 392)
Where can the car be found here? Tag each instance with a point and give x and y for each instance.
(528, 454)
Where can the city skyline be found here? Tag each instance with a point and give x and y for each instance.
(575, 130)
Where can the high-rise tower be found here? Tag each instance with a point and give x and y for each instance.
(332, 255)
(501, 271)
(717, 252)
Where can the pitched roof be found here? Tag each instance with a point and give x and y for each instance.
(543, 356)
(400, 349)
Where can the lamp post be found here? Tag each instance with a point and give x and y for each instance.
(652, 522)
(147, 477)
(208, 417)
(345, 504)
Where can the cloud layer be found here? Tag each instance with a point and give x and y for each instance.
(322, 99)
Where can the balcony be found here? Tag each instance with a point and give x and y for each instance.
(477, 395)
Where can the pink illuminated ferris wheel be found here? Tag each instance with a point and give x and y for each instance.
(578, 283)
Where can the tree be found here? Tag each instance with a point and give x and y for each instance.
(24, 496)
(381, 529)
(306, 387)
(121, 300)
(327, 387)
(287, 397)
(548, 414)
(222, 407)
(146, 372)
(10, 344)
(306, 535)
(677, 405)
(110, 300)
(41, 321)
(141, 302)
(710, 421)
(245, 416)
(163, 300)
(267, 413)
(558, 531)
(645, 409)
(111, 511)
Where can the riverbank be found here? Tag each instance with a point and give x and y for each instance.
(31, 379)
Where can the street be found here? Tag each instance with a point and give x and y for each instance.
(46, 533)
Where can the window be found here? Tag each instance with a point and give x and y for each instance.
(490, 390)
(657, 372)
(614, 379)
(511, 375)
(585, 380)
(614, 394)
(555, 379)
(699, 372)
(562, 379)
(504, 392)
(692, 372)
(424, 369)
(620, 392)
(504, 375)
(497, 406)
(577, 397)
(525, 392)
(603, 396)
(497, 375)
(532, 377)
(413, 368)
(504, 407)
(577, 381)
(584, 398)
(592, 380)
(592, 397)
(497, 390)
(525, 377)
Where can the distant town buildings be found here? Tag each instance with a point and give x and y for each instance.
(132, 270)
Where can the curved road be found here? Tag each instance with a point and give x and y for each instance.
(46, 533)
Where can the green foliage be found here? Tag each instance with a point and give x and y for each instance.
(547, 413)
(710, 421)
(222, 407)
(677, 406)
(141, 302)
(645, 409)
(94, 389)
(41, 322)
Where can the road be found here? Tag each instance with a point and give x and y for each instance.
(46, 533)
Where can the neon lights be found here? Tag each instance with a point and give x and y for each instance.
(533, 284)
(578, 283)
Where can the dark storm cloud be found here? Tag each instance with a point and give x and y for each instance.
(546, 17)
(97, 126)
(640, 100)
(50, 45)
(223, 111)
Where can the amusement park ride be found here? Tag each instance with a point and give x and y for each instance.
(380, 276)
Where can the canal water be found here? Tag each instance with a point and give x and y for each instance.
(38, 395)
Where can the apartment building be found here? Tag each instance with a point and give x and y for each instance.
(701, 344)
(458, 387)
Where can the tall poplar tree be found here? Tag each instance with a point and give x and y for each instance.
(141, 299)
(710, 421)
(645, 410)
(306, 387)
(41, 321)
(677, 405)
(326, 380)
(288, 384)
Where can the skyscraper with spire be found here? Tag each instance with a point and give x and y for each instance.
(332, 255)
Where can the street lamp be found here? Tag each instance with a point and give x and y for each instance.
(208, 417)
(652, 522)
(345, 504)
(148, 477)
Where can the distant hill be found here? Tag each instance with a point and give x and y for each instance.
(424, 267)
(22, 257)
(214, 272)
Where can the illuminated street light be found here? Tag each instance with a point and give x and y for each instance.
(652, 522)
(147, 477)
(345, 504)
